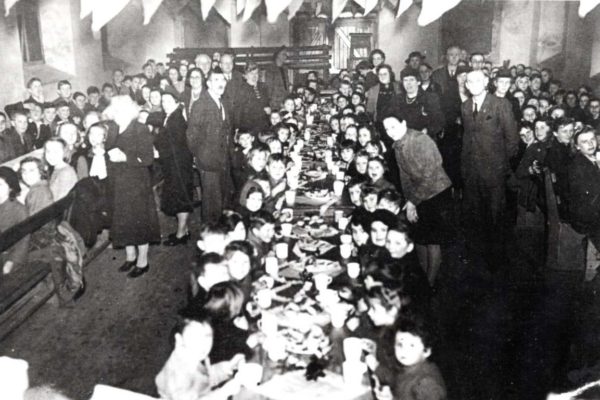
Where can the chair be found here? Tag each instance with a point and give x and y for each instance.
(565, 248)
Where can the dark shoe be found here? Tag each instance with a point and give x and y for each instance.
(175, 241)
(80, 291)
(127, 265)
(137, 271)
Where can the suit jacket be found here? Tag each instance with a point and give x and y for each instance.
(584, 194)
(442, 77)
(277, 88)
(208, 134)
(187, 99)
(424, 112)
(233, 87)
(489, 140)
(371, 98)
(16, 145)
(249, 112)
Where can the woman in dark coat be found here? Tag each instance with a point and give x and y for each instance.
(134, 218)
(250, 103)
(176, 163)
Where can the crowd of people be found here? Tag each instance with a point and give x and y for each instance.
(412, 148)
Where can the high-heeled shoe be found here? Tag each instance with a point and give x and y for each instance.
(138, 271)
(80, 291)
(127, 265)
(173, 240)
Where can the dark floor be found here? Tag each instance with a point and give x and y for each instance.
(505, 335)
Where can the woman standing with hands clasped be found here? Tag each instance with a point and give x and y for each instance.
(134, 220)
(426, 188)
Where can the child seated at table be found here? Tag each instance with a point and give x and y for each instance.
(241, 264)
(213, 238)
(347, 151)
(261, 229)
(374, 250)
(369, 197)
(360, 225)
(358, 167)
(275, 146)
(376, 170)
(207, 271)
(257, 161)
(276, 168)
(188, 373)
(282, 133)
(391, 200)
(406, 373)
(252, 199)
(223, 306)
(239, 158)
(351, 133)
(354, 188)
(234, 225)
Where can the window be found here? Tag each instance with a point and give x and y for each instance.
(28, 23)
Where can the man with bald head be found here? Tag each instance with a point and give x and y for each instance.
(490, 139)
(203, 62)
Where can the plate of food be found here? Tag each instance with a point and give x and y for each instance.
(315, 174)
(318, 231)
(306, 343)
(309, 245)
(322, 266)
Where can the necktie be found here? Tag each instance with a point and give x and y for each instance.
(222, 110)
(475, 112)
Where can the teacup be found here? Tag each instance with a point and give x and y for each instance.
(250, 374)
(322, 281)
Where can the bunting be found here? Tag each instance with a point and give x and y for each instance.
(403, 6)
(433, 9)
(274, 8)
(206, 6)
(102, 14)
(294, 7)
(150, 8)
(585, 6)
(87, 6)
(8, 5)
(367, 5)
(239, 6)
(249, 8)
(224, 8)
(337, 6)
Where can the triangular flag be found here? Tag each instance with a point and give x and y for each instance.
(8, 5)
(585, 6)
(367, 5)
(274, 8)
(294, 7)
(433, 9)
(239, 6)
(102, 14)
(223, 7)
(251, 5)
(150, 8)
(337, 6)
(87, 6)
(206, 6)
(403, 6)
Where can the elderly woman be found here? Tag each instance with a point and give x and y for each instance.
(134, 219)
(11, 213)
(251, 103)
(426, 188)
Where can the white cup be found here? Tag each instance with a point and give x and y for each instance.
(310, 119)
(338, 314)
(328, 155)
(338, 188)
(346, 238)
(322, 281)
(272, 266)
(290, 197)
(353, 372)
(307, 135)
(345, 251)
(286, 229)
(268, 324)
(353, 349)
(264, 298)
(342, 224)
(337, 215)
(340, 175)
(335, 169)
(250, 374)
(300, 143)
(353, 270)
(281, 251)
(329, 141)
(276, 349)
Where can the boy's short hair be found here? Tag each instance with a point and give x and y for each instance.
(107, 85)
(361, 217)
(230, 220)
(386, 217)
(259, 219)
(78, 94)
(586, 129)
(380, 160)
(368, 189)
(363, 153)
(358, 180)
(93, 89)
(257, 148)
(62, 83)
(562, 122)
(348, 144)
(212, 228)
(199, 267)
(402, 227)
(391, 195)
(277, 157)
(416, 325)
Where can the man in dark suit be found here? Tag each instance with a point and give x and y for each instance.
(17, 139)
(490, 139)
(446, 76)
(209, 139)
(276, 79)
(584, 186)
(234, 79)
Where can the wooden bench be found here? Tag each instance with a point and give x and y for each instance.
(565, 248)
(27, 288)
(300, 60)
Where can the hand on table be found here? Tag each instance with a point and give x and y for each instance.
(383, 393)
